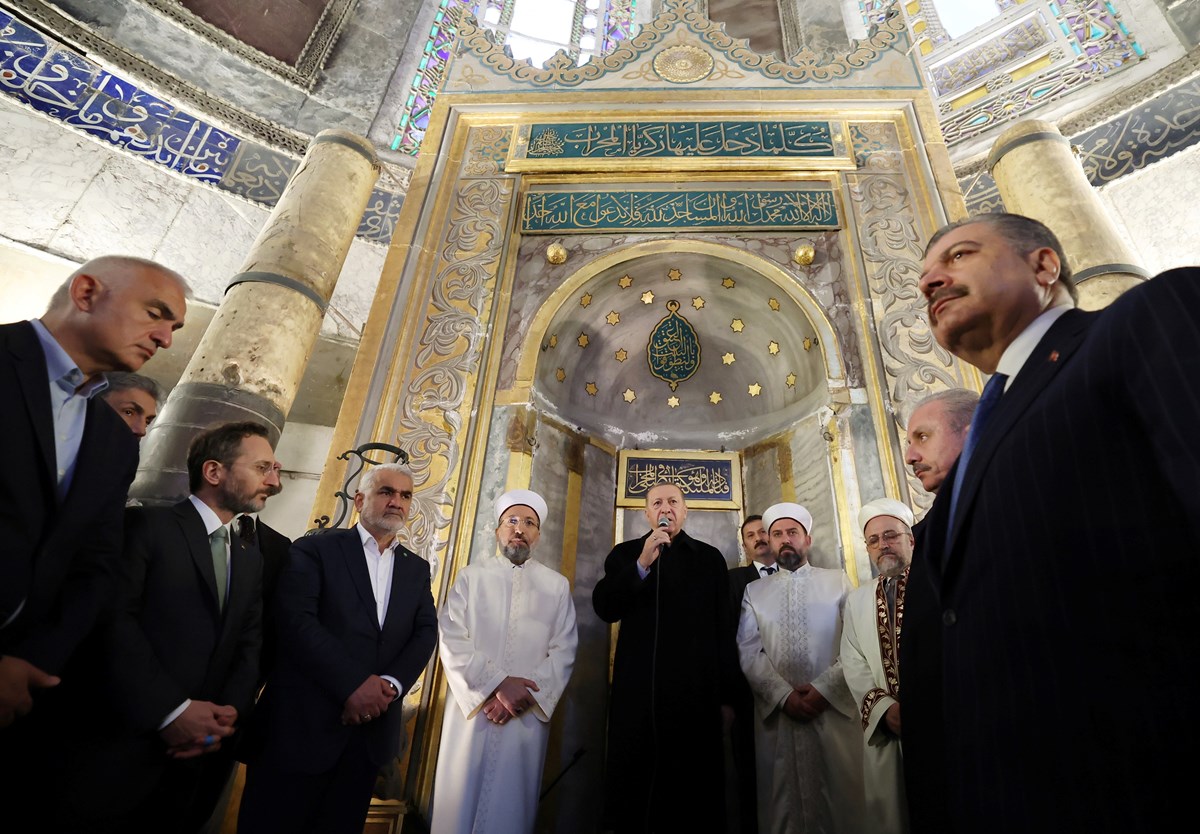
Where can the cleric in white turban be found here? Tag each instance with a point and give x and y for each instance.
(808, 756)
(870, 659)
(507, 642)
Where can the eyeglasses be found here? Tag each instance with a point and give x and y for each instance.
(889, 537)
(527, 523)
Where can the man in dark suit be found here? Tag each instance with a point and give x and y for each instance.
(177, 666)
(760, 562)
(673, 675)
(937, 428)
(357, 626)
(1056, 551)
(68, 462)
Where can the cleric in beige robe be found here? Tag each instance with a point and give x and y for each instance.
(871, 660)
(507, 642)
(807, 738)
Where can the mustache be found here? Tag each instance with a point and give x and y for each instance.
(943, 293)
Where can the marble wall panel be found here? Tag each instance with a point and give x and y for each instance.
(813, 483)
(127, 207)
(208, 240)
(44, 170)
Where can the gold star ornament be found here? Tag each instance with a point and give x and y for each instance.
(773, 348)
(737, 326)
(647, 297)
(629, 395)
(621, 355)
(591, 389)
(714, 397)
(754, 390)
(698, 302)
(673, 402)
(773, 303)
(625, 282)
(790, 379)
(613, 318)
(728, 359)
(585, 299)
(728, 283)
(674, 274)
(582, 341)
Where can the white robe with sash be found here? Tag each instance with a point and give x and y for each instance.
(870, 661)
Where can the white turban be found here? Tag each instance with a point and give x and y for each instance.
(885, 506)
(521, 496)
(787, 510)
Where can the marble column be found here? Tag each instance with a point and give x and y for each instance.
(1039, 176)
(249, 363)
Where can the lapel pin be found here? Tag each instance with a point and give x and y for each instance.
(1054, 356)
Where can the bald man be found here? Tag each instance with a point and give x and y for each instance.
(68, 462)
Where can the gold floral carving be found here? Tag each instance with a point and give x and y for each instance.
(914, 364)
(429, 423)
(561, 69)
(683, 64)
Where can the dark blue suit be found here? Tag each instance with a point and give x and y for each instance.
(1048, 653)
(330, 642)
(58, 559)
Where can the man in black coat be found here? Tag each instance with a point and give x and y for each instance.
(357, 626)
(937, 428)
(1056, 552)
(176, 667)
(68, 463)
(760, 562)
(673, 675)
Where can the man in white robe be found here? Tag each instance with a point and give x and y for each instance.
(807, 741)
(507, 642)
(871, 660)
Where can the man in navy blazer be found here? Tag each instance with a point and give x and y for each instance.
(68, 462)
(1058, 559)
(357, 626)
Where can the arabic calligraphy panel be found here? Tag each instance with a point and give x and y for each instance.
(708, 480)
(806, 207)
(681, 144)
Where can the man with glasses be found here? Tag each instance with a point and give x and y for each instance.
(871, 663)
(176, 668)
(507, 642)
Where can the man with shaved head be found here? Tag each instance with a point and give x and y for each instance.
(69, 460)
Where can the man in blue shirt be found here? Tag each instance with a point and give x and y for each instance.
(69, 461)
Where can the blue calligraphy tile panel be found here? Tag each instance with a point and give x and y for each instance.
(1156, 129)
(64, 85)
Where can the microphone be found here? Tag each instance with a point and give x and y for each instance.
(663, 523)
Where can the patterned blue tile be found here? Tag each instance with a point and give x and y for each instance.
(379, 219)
(16, 37)
(67, 86)
(258, 173)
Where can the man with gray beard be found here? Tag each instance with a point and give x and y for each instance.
(357, 626)
(507, 643)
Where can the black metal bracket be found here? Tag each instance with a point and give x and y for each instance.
(344, 496)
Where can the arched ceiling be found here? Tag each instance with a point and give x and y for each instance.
(750, 355)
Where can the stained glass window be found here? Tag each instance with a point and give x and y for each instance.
(530, 29)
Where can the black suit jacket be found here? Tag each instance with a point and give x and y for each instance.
(169, 639)
(274, 547)
(60, 560)
(1062, 597)
(739, 578)
(330, 642)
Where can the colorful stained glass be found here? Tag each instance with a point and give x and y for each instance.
(597, 27)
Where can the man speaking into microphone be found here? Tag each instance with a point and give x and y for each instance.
(673, 675)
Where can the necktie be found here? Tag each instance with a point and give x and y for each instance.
(987, 404)
(246, 530)
(216, 543)
(767, 571)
